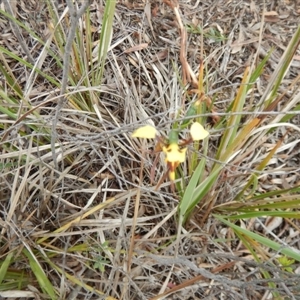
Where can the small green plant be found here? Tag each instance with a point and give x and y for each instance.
(286, 263)
(211, 33)
(99, 260)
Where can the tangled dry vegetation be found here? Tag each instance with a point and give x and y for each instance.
(96, 225)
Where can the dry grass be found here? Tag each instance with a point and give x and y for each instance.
(86, 223)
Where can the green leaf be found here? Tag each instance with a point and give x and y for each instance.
(105, 37)
(40, 275)
(4, 266)
(286, 250)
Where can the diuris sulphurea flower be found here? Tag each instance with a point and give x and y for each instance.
(172, 149)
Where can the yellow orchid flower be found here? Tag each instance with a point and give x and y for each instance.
(174, 154)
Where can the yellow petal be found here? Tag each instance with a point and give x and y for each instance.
(146, 132)
(198, 132)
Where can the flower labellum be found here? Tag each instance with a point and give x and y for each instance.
(174, 156)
